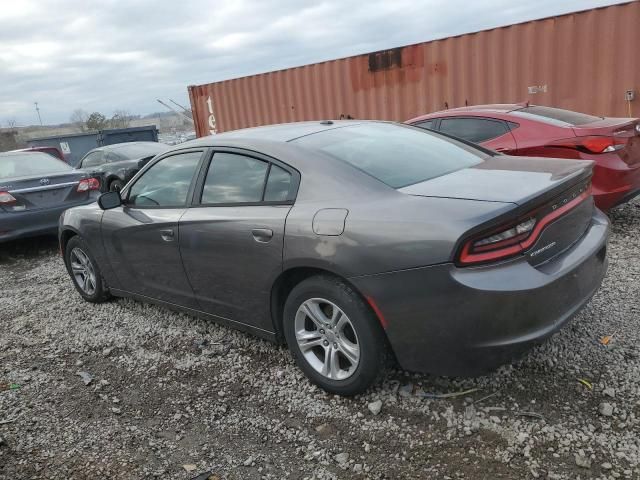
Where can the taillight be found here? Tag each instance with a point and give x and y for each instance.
(592, 144)
(87, 184)
(7, 199)
(514, 238)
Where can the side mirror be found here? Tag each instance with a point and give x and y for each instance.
(109, 200)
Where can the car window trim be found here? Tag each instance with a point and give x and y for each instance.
(199, 187)
(204, 153)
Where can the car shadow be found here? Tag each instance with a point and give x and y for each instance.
(28, 248)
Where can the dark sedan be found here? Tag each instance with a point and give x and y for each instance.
(347, 240)
(35, 188)
(117, 164)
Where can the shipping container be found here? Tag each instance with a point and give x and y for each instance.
(585, 61)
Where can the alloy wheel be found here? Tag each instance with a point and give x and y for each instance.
(83, 272)
(327, 339)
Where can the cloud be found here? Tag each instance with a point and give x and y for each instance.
(105, 55)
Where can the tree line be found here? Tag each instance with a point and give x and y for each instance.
(97, 121)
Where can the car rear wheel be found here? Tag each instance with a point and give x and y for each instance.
(85, 272)
(116, 185)
(334, 337)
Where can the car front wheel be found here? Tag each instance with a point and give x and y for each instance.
(84, 271)
(334, 337)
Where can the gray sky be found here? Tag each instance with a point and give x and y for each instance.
(107, 55)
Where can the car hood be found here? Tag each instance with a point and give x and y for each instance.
(505, 179)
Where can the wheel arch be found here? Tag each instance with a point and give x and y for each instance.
(65, 235)
(289, 278)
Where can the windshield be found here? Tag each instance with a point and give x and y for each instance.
(30, 164)
(139, 150)
(396, 155)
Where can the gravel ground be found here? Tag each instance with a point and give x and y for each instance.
(128, 390)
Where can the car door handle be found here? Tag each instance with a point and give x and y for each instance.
(167, 235)
(262, 235)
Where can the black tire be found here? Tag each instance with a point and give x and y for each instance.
(116, 185)
(369, 335)
(100, 292)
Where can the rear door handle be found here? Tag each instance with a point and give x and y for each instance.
(167, 235)
(262, 235)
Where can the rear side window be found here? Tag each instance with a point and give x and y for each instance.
(278, 185)
(566, 117)
(92, 160)
(473, 129)
(394, 154)
(234, 178)
(110, 157)
(166, 183)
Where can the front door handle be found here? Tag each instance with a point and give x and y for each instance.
(262, 235)
(167, 235)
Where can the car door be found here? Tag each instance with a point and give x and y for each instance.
(142, 237)
(488, 132)
(232, 239)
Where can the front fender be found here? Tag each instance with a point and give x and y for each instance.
(86, 221)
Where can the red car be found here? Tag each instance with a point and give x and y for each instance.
(53, 151)
(537, 131)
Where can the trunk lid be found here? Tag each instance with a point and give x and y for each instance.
(553, 192)
(517, 180)
(46, 191)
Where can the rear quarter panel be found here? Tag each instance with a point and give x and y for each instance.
(393, 232)
(531, 137)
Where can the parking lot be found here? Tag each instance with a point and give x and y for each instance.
(129, 390)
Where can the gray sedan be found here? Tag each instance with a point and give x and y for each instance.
(351, 242)
(35, 188)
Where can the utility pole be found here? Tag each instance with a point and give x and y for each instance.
(38, 110)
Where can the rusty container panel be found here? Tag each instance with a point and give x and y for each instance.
(582, 61)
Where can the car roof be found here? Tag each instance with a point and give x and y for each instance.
(495, 108)
(123, 144)
(279, 133)
(276, 141)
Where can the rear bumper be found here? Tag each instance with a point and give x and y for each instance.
(14, 225)
(466, 321)
(614, 182)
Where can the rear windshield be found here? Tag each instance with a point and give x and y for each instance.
(396, 155)
(139, 150)
(30, 164)
(567, 117)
